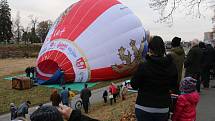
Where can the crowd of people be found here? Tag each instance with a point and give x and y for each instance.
(156, 79)
(161, 75)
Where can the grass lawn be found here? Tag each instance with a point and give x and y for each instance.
(37, 95)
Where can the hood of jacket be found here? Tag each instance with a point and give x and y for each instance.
(192, 98)
(178, 50)
(161, 65)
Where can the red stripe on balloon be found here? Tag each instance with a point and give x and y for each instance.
(52, 63)
(108, 73)
(81, 15)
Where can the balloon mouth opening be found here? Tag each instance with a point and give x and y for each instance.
(47, 68)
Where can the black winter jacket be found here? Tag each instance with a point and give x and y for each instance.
(193, 61)
(154, 79)
(85, 94)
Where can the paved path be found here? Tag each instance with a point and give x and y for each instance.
(205, 109)
(206, 106)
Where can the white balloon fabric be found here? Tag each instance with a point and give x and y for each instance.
(93, 40)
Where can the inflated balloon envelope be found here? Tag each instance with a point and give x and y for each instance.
(93, 40)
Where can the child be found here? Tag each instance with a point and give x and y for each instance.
(187, 101)
(13, 110)
(105, 94)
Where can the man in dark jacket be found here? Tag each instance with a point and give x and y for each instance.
(154, 79)
(85, 96)
(206, 64)
(65, 96)
(193, 63)
(178, 55)
(23, 109)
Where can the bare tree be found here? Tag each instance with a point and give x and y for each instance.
(34, 21)
(33, 37)
(17, 27)
(43, 28)
(166, 8)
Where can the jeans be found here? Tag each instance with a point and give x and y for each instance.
(146, 116)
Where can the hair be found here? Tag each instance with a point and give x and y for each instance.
(29, 102)
(157, 46)
(69, 89)
(176, 42)
(202, 45)
(194, 42)
(46, 113)
(54, 91)
(64, 87)
(85, 85)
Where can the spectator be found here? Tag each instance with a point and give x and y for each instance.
(206, 64)
(113, 93)
(46, 113)
(28, 71)
(124, 91)
(50, 113)
(105, 94)
(73, 115)
(118, 91)
(23, 109)
(13, 110)
(65, 96)
(71, 95)
(178, 55)
(55, 98)
(85, 96)
(187, 101)
(32, 72)
(154, 79)
(193, 63)
(62, 80)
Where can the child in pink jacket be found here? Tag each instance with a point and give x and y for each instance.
(186, 104)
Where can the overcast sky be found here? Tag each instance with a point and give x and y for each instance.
(185, 27)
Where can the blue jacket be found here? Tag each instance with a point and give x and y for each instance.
(23, 109)
(65, 96)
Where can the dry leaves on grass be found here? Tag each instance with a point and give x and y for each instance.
(120, 111)
(128, 115)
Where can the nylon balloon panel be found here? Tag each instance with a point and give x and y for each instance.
(93, 40)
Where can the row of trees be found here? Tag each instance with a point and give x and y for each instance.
(13, 31)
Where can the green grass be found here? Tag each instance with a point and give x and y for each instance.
(37, 94)
(8, 95)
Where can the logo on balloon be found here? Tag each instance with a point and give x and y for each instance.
(129, 65)
(80, 63)
(62, 46)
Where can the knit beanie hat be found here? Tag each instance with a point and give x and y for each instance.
(188, 85)
(176, 41)
(46, 113)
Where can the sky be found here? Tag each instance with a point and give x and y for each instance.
(186, 27)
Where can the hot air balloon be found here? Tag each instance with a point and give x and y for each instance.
(93, 40)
